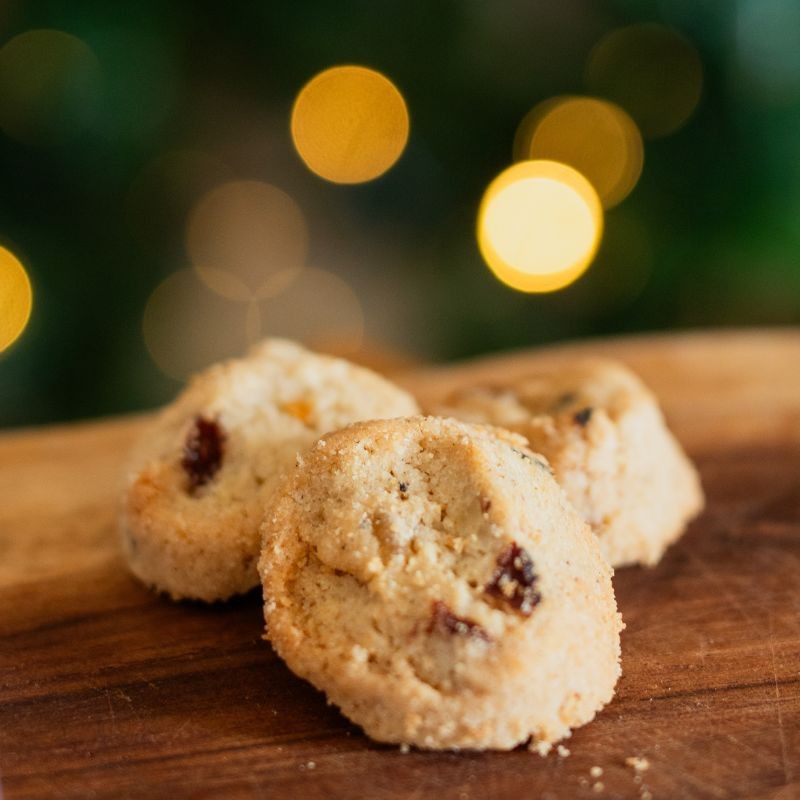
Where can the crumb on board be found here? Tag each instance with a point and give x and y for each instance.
(596, 771)
(563, 752)
(542, 748)
(645, 794)
(311, 765)
(598, 786)
(404, 748)
(639, 763)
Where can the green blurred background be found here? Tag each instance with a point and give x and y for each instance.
(160, 101)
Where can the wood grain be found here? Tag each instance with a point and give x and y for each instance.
(107, 691)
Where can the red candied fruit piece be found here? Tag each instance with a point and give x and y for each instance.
(203, 451)
(583, 416)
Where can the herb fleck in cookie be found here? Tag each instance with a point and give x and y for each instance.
(604, 435)
(201, 475)
(432, 578)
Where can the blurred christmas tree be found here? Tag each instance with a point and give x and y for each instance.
(117, 119)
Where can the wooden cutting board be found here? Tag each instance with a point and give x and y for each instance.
(108, 691)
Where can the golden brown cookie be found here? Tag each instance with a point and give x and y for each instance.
(604, 435)
(433, 580)
(202, 473)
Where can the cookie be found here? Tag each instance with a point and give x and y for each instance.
(201, 475)
(604, 435)
(433, 580)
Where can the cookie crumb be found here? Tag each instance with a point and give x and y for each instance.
(359, 654)
(311, 765)
(542, 748)
(596, 771)
(639, 763)
(598, 787)
(404, 748)
(645, 794)
(563, 751)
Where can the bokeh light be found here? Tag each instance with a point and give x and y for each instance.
(652, 71)
(349, 124)
(247, 239)
(16, 299)
(319, 307)
(539, 225)
(186, 326)
(595, 137)
(50, 86)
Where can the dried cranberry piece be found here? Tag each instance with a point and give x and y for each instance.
(202, 451)
(444, 620)
(582, 417)
(514, 580)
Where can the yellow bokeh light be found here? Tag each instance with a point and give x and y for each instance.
(595, 137)
(247, 239)
(16, 299)
(50, 85)
(652, 71)
(349, 124)
(539, 225)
